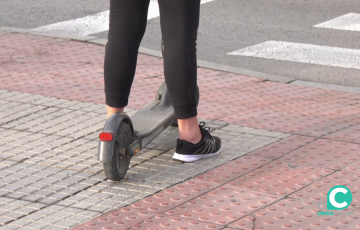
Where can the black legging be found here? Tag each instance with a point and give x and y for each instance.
(179, 21)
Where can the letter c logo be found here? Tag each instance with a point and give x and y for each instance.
(332, 198)
(343, 195)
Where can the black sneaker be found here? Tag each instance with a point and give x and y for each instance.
(208, 146)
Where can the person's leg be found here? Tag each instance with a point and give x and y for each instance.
(179, 25)
(189, 130)
(128, 20)
(112, 110)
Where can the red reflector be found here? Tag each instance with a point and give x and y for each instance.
(106, 136)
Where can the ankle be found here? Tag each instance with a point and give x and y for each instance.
(192, 138)
(112, 110)
(189, 130)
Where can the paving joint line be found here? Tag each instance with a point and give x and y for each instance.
(48, 205)
(251, 213)
(337, 130)
(150, 77)
(254, 222)
(288, 195)
(64, 144)
(61, 145)
(194, 177)
(291, 81)
(75, 139)
(137, 164)
(26, 115)
(46, 107)
(247, 154)
(324, 136)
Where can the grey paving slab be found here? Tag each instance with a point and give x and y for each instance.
(21, 223)
(9, 227)
(49, 174)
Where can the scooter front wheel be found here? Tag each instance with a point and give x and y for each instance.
(117, 168)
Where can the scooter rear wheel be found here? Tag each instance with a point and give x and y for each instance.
(117, 168)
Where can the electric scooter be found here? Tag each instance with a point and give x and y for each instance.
(123, 137)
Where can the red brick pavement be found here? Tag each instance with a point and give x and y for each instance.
(278, 186)
(76, 73)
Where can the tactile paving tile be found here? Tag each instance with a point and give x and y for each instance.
(26, 42)
(69, 51)
(9, 54)
(144, 59)
(232, 170)
(14, 68)
(300, 117)
(344, 98)
(282, 147)
(76, 72)
(324, 128)
(90, 74)
(149, 71)
(286, 91)
(123, 218)
(238, 98)
(174, 196)
(326, 154)
(210, 110)
(163, 221)
(255, 95)
(296, 214)
(223, 205)
(353, 167)
(351, 134)
(87, 86)
(143, 92)
(280, 178)
(318, 191)
(212, 80)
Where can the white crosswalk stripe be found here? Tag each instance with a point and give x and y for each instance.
(304, 53)
(96, 23)
(349, 21)
(309, 53)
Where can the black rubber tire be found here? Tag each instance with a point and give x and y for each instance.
(117, 168)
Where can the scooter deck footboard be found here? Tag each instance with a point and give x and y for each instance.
(151, 117)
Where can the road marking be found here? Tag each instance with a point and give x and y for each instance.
(304, 53)
(349, 21)
(95, 23)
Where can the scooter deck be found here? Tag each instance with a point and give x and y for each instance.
(151, 117)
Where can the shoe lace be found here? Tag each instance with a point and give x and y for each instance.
(202, 125)
(207, 136)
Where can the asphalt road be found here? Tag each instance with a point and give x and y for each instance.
(227, 26)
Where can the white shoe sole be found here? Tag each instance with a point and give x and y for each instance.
(191, 158)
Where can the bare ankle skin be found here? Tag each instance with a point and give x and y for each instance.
(112, 110)
(189, 130)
